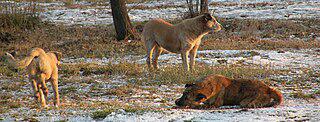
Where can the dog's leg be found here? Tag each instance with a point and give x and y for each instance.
(150, 45)
(157, 52)
(184, 55)
(217, 100)
(193, 54)
(185, 62)
(54, 83)
(247, 102)
(42, 99)
(43, 85)
(220, 98)
(35, 89)
(261, 101)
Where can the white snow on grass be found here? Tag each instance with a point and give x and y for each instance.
(72, 60)
(270, 58)
(300, 111)
(95, 86)
(294, 59)
(272, 10)
(286, 59)
(306, 112)
(88, 13)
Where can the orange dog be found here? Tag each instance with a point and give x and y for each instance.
(42, 67)
(217, 90)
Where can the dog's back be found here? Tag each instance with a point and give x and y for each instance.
(161, 33)
(255, 92)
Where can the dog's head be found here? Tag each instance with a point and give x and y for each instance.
(192, 97)
(197, 93)
(58, 56)
(211, 24)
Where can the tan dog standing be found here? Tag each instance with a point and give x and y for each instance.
(217, 90)
(42, 67)
(183, 38)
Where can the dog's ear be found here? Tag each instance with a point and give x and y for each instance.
(207, 17)
(58, 55)
(200, 97)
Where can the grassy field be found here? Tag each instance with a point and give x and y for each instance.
(20, 33)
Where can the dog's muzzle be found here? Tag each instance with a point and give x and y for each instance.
(178, 102)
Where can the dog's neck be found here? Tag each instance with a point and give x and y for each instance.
(55, 58)
(194, 28)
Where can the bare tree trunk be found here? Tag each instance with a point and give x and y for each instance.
(197, 6)
(121, 20)
(190, 6)
(204, 6)
(199, 9)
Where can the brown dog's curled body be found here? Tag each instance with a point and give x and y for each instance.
(217, 90)
(183, 38)
(41, 67)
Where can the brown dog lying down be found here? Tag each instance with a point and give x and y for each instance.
(217, 90)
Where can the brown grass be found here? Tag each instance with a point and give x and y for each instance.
(72, 41)
(109, 69)
(21, 32)
(264, 34)
(135, 78)
(300, 94)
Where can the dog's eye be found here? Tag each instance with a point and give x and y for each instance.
(200, 97)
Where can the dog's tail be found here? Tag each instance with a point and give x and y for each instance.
(276, 96)
(36, 52)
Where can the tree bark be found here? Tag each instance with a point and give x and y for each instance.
(121, 20)
(204, 6)
(190, 6)
(198, 9)
(197, 6)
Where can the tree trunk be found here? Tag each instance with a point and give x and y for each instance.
(121, 20)
(190, 6)
(204, 6)
(197, 6)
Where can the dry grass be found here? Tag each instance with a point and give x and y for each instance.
(5, 71)
(138, 75)
(174, 75)
(264, 34)
(101, 114)
(301, 95)
(123, 68)
(135, 79)
(99, 41)
(72, 41)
